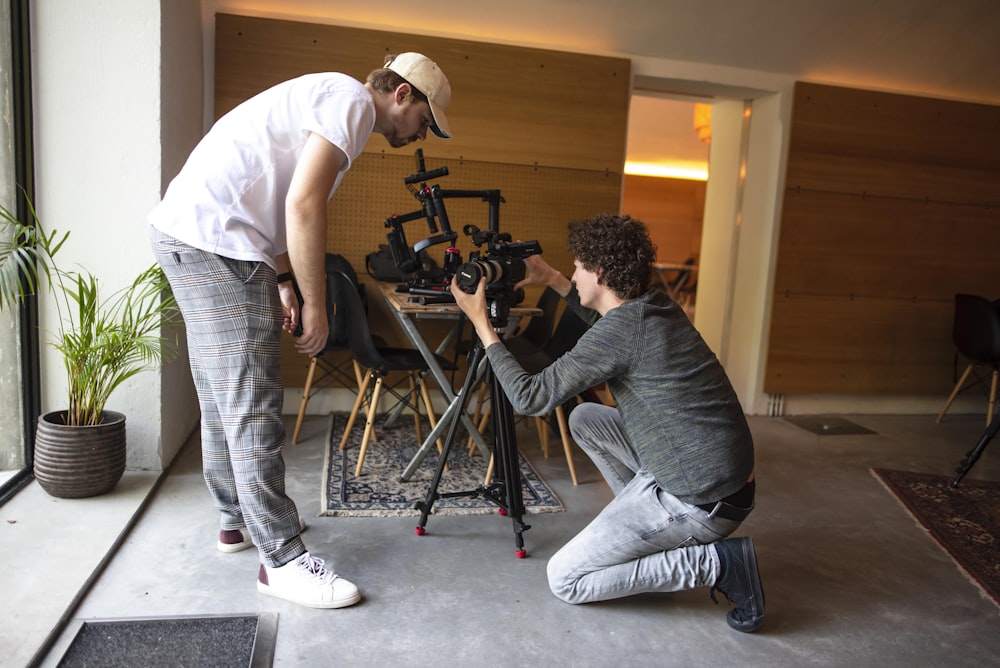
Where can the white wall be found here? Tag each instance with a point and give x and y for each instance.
(97, 108)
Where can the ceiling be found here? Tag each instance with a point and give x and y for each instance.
(944, 48)
(940, 48)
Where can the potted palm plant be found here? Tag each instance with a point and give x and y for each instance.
(103, 340)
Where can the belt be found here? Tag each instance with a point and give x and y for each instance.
(733, 507)
(725, 511)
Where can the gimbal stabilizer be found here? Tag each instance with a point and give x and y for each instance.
(431, 198)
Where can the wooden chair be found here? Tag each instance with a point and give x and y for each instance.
(380, 361)
(976, 334)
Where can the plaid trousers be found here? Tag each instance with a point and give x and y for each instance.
(233, 317)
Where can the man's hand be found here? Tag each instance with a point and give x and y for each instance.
(315, 330)
(474, 307)
(539, 272)
(289, 307)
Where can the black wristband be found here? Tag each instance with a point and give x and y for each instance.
(285, 277)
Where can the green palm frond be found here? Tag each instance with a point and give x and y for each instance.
(103, 341)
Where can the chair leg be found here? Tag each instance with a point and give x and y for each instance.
(416, 407)
(431, 416)
(359, 375)
(362, 390)
(369, 425)
(305, 400)
(993, 397)
(567, 442)
(489, 471)
(954, 393)
(480, 404)
(483, 421)
(543, 434)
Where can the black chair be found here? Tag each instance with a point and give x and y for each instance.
(683, 288)
(380, 361)
(976, 334)
(567, 332)
(329, 367)
(538, 331)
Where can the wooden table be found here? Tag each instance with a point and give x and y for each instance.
(407, 313)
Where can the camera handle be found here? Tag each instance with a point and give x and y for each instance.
(505, 489)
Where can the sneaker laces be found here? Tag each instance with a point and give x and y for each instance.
(315, 567)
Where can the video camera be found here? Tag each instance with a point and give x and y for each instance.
(502, 265)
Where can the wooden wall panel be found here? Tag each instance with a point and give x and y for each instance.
(673, 210)
(509, 105)
(860, 346)
(890, 208)
(545, 128)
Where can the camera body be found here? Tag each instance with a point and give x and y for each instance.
(501, 264)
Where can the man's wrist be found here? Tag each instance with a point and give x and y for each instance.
(285, 277)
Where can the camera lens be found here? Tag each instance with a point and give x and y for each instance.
(469, 274)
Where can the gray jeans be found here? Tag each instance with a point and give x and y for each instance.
(646, 539)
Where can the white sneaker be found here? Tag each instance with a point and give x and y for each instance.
(305, 581)
(236, 540)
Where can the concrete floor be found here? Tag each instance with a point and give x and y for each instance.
(850, 579)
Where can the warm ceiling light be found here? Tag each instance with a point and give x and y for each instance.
(668, 170)
(703, 121)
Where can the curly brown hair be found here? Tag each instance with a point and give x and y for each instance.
(618, 245)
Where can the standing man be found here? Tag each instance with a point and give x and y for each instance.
(676, 449)
(245, 214)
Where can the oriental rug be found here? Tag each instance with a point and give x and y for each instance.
(964, 521)
(379, 492)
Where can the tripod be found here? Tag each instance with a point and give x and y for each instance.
(505, 488)
(970, 458)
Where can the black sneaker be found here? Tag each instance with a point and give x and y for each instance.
(740, 583)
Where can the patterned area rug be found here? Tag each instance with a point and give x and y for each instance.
(378, 492)
(965, 521)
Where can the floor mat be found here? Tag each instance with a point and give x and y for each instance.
(825, 425)
(217, 641)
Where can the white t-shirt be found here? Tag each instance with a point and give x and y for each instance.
(229, 198)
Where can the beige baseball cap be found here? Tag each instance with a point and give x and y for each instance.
(424, 74)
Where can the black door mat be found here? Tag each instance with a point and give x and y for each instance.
(153, 642)
(826, 425)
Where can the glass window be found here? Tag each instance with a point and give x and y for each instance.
(18, 342)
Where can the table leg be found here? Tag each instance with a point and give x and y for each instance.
(454, 401)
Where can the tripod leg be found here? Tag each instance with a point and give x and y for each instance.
(506, 457)
(432, 494)
(974, 454)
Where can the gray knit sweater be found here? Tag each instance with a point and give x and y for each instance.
(679, 408)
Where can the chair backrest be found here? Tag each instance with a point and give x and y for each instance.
(539, 329)
(976, 330)
(359, 335)
(567, 332)
(337, 292)
(680, 283)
